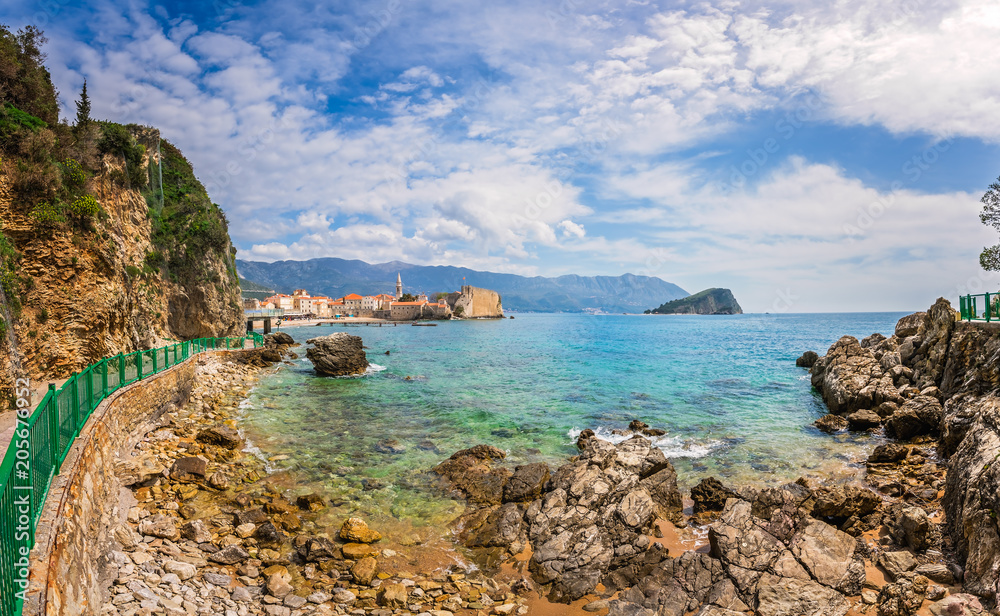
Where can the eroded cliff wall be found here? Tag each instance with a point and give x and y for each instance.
(154, 263)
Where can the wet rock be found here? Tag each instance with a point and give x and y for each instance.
(358, 551)
(389, 446)
(526, 483)
(364, 570)
(268, 535)
(229, 556)
(221, 436)
(319, 549)
(864, 420)
(310, 502)
(888, 452)
(338, 354)
(831, 423)
(219, 481)
(710, 495)
(356, 530)
(471, 473)
(807, 359)
(277, 584)
(189, 469)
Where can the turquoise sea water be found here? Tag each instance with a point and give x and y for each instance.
(726, 389)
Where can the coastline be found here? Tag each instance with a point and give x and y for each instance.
(506, 567)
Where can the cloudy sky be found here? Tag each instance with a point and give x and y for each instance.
(812, 156)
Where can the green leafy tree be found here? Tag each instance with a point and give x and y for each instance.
(989, 259)
(406, 297)
(83, 108)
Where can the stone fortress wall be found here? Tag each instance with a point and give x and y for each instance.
(476, 303)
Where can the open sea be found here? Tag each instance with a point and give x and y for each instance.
(725, 388)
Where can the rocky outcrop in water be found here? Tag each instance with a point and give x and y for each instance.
(588, 523)
(338, 354)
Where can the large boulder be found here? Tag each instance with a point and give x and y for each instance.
(338, 354)
(471, 473)
(917, 416)
(851, 379)
(595, 518)
(842, 502)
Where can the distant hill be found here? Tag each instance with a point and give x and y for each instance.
(251, 290)
(709, 301)
(337, 277)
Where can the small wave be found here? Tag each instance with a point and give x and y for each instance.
(373, 368)
(671, 446)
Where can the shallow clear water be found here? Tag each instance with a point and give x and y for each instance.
(726, 389)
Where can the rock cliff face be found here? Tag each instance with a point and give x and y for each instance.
(934, 377)
(709, 301)
(126, 279)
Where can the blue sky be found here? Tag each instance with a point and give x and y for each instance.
(812, 156)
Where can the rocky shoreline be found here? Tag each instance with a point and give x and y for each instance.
(210, 533)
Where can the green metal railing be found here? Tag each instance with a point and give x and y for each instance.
(982, 307)
(42, 441)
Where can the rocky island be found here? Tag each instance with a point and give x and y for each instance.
(709, 301)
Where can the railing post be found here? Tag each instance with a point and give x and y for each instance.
(90, 390)
(154, 361)
(121, 370)
(138, 365)
(74, 391)
(988, 308)
(104, 379)
(52, 425)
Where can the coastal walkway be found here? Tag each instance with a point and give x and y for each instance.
(42, 441)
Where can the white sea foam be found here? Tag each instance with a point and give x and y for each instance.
(671, 446)
(373, 368)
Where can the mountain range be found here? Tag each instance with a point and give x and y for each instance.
(337, 277)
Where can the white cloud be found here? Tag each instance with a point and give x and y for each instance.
(571, 229)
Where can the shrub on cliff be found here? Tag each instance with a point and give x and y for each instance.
(118, 140)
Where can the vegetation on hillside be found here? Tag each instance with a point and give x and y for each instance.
(189, 225)
(709, 301)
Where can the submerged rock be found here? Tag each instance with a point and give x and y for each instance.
(338, 354)
(710, 495)
(807, 360)
(831, 423)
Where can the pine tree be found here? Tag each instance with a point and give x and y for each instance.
(83, 108)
